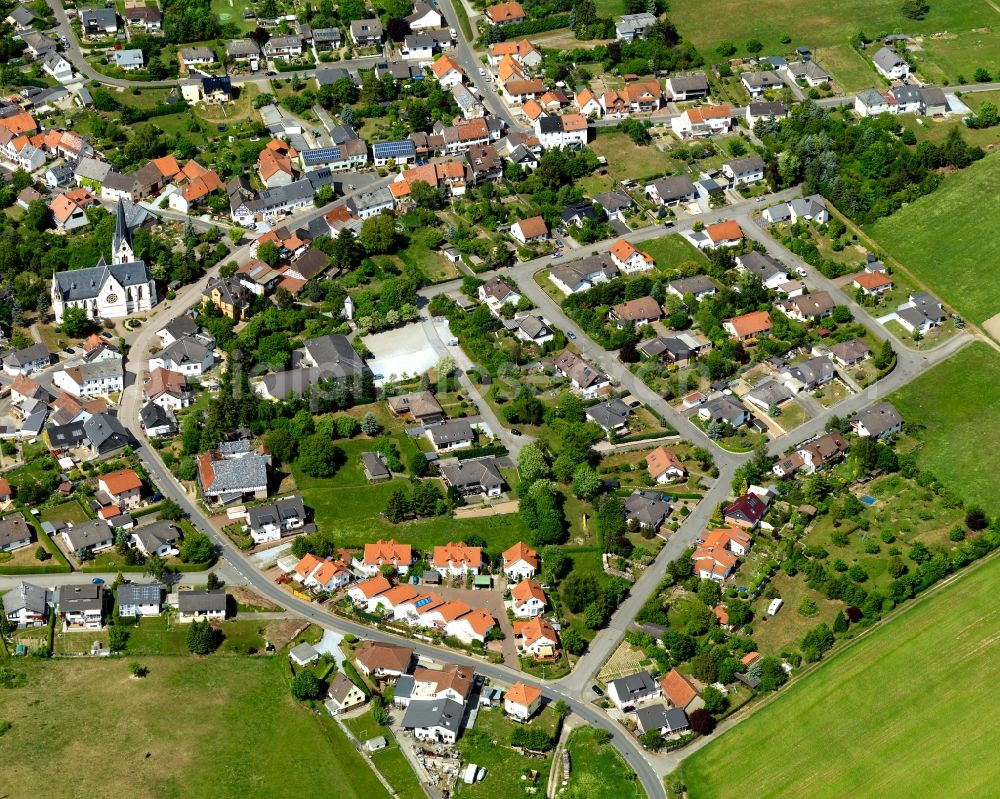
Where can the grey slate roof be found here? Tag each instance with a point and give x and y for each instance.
(85, 284)
(471, 473)
(879, 418)
(13, 529)
(186, 349)
(201, 601)
(340, 687)
(451, 432)
(157, 533)
(763, 266)
(632, 685)
(649, 508)
(886, 58)
(81, 597)
(27, 355)
(699, 284)
(423, 713)
(88, 534)
(181, 326)
(105, 433)
(770, 392)
(609, 414)
(237, 475)
(814, 371)
(32, 598)
(279, 512)
(674, 188)
(92, 169)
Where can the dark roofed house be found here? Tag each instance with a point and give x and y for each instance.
(105, 435)
(455, 434)
(672, 190)
(434, 719)
(140, 599)
(746, 511)
(201, 605)
(15, 533)
(479, 476)
(610, 415)
(633, 689)
(880, 420)
(649, 509)
(374, 466)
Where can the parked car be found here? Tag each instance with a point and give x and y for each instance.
(596, 689)
(556, 254)
(570, 335)
(800, 271)
(515, 432)
(97, 581)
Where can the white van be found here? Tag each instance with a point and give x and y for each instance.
(775, 606)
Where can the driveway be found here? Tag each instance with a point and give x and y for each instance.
(492, 600)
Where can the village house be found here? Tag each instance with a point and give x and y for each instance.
(890, 64)
(756, 83)
(390, 554)
(611, 416)
(81, 606)
(703, 121)
(635, 313)
(522, 701)
(208, 605)
(496, 293)
(520, 562)
(160, 538)
(749, 326)
(505, 13)
(452, 435)
(527, 599)
(536, 638)
(583, 377)
(807, 307)
(26, 605)
(123, 488)
(343, 695)
(632, 690)
(679, 691)
(532, 229)
(664, 466)
(880, 420)
(717, 557)
(630, 260)
(746, 512)
(233, 472)
(15, 532)
(367, 591)
(140, 599)
(744, 171)
(672, 191)
(647, 509)
(472, 477)
(725, 410)
(273, 521)
(383, 661)
(86, 538)
(457, 559)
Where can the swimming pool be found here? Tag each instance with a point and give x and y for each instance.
(868, 500)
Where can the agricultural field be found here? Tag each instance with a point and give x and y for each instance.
(959, 51)
(947, 240)
(954, 435)
(857, 719)
(215, 727)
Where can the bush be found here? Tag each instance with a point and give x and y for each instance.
(306, 685)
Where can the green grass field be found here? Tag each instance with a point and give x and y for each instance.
(948, 240)
(232, 11)
(954, 411)
(670, 252)
(348, 508)
(827, 30)
(897, 714)
(598, 769)
(214, 728)
(626, 161)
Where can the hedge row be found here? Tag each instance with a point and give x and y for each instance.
(480, 452)
(532, 26)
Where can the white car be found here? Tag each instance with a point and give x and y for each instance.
(482, 71)
(800, 271)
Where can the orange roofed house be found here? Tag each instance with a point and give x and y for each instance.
(123, 488)
(630, 260)
(455, 559)
(447, 72)
(748, 326)
(365, 592)
(717, 558)
(522, 701)
(69, 208)
(537, 639)
(664, 466)
(520, 562)
(274, 164)
(505, 13)
(703, 121)
(383, 660)
(384, 553)
(679, 692)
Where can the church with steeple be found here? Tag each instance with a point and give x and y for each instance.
(108, 291)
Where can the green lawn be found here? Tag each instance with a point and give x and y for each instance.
(598, 768)
(707, 22)
(348, 508)
(672, 251)
(71, 511)
(626, 161)
(948, 240)
(488, 745)
(212, 728)
(954, 411)
(897, 714)
(232, 11)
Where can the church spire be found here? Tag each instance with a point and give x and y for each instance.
(121, 243)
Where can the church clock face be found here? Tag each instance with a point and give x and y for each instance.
(112, 299)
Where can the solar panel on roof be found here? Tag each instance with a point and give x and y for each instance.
(394, 148)
(322, 155)
(424, 601)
